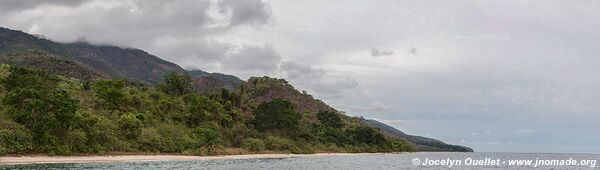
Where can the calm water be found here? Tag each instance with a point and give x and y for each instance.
(372, 161)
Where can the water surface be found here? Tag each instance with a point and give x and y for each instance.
(369, 161)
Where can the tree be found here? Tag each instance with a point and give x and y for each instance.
(176, 84)
(130, 126)
(203, 109)
(276, 115)
(330, 119)
(110, 93)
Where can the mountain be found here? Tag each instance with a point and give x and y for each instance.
(101, 61)
(122, 62)
(423, 143)
(94, 62)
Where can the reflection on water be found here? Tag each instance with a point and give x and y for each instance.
(373, 161)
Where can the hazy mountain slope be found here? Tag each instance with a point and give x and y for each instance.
(114, 62)
(423, 143)
(51, 63)
(122, 62)
(14, 41)
(229, 81)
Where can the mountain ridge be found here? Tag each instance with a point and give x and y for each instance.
(133, 64)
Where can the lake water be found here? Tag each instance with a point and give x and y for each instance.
(370, 161)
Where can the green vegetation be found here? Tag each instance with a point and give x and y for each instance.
(276, 116)
(43, 113)
(176, 84)
(253, 145)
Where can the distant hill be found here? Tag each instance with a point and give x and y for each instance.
(101, 61)
(423, 143)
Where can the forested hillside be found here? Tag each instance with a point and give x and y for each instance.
(51, 114)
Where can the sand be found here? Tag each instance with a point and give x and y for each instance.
(14, 160)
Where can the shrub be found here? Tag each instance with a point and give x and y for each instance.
(253, 145)
(150, 141)
(400, 145)
(76, 140)
(175, 138)
(99, 131)
(14, 139)
(278, 143)
(208, 140)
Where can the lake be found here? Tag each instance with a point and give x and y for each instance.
(421, 160)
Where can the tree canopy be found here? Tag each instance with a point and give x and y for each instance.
(276, 115)
(176, 84)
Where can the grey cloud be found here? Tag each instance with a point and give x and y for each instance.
(182, 31)
(124, 23)
(254, 58)
(195, 53)
(413, 51)
(377, 52)
(7, 6)
(296, 70)
(253, 12)
(316, 80)
(334, 87)
(376, 107)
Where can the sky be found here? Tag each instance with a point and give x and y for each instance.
(494, 75)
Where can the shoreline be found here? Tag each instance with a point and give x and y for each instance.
(24, 160)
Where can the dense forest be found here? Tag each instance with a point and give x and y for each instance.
(45, 113)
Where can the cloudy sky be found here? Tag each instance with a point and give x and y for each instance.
(503, 76)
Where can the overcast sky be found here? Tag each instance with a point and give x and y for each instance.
(503, 76)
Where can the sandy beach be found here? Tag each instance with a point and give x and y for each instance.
(14, 160)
